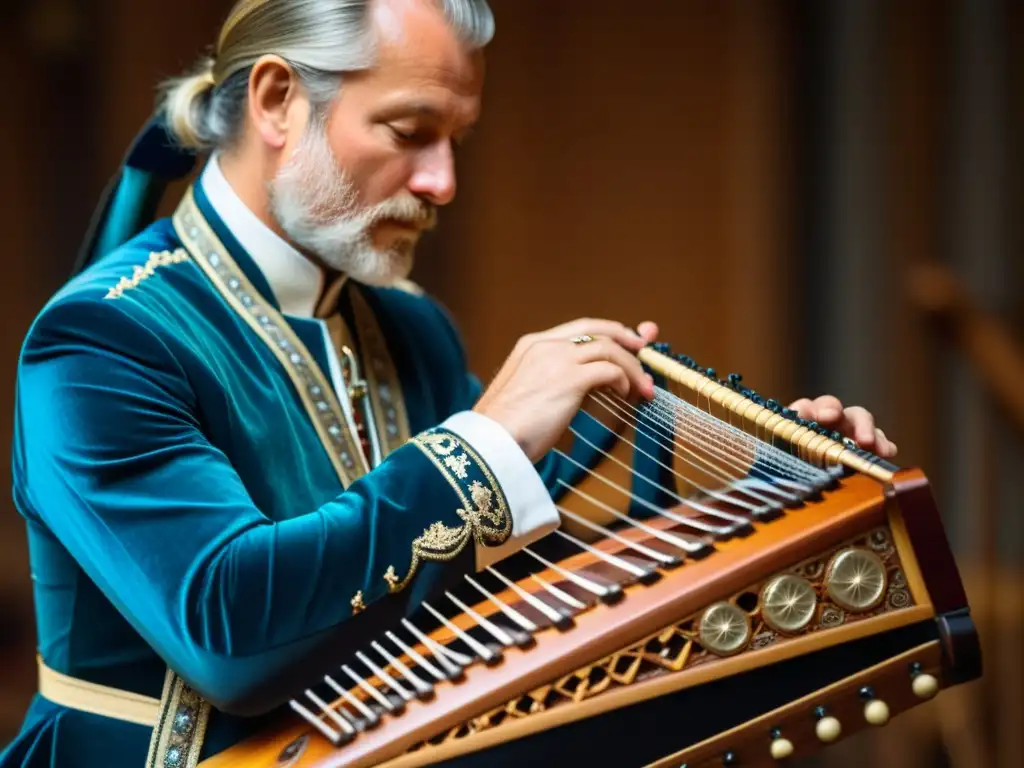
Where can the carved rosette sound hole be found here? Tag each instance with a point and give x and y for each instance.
(788, 603)
(782, 607)
(856, 579)
(724, 629)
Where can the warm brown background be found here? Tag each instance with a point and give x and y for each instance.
(757, 176)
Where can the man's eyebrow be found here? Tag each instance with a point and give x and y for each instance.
(411, 109)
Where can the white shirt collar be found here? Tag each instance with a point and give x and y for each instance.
(296, 281)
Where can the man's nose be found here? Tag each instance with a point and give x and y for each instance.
(434, 177)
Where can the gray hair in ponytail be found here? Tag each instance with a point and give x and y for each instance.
(320, 39)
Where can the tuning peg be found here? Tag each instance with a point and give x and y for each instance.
(925, 686)
(876, 711)
(828, 728)
(781, 748)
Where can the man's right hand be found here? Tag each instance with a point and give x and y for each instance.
(542, 384)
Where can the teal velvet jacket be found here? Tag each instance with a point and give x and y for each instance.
(192, 500)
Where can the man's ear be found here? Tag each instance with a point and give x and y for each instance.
(276, 101)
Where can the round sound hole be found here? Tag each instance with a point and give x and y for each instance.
(724, 629)
(788, 603)
(856, 579)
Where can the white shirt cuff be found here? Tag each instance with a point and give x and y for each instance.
(533, 513)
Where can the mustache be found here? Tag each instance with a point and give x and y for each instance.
(407, 209)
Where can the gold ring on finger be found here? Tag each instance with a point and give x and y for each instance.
(584, 339)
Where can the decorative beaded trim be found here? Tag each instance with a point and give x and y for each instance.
(386, 396)
(147, 270)
(179, 733)
(484, 512)
(317, 396)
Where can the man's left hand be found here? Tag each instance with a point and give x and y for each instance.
(853, 422)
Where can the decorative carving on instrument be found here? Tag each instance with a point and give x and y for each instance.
(292, 753)
(859, 579)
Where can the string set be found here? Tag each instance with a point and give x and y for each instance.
(720, 481)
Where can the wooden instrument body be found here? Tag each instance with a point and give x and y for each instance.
(546, 701)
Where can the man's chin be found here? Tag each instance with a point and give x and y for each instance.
(397, 227)
(387, 272)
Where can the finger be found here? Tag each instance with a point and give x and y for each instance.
(617, 332)
(884, 447)
(601, 373)
(607, 350)
(804, 408)
(859, 424)
(515, 357)
(827, 410)
(648, 331)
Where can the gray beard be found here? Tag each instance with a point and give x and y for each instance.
(314, 203)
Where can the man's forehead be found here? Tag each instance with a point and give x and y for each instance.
(416, 44)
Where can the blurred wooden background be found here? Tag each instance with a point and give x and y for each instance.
(756, 177)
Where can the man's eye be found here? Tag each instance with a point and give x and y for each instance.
(410, 136)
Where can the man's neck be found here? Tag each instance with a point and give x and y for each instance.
(296, 280)
(249, 178)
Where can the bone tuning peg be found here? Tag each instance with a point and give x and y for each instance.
(925, 686)
(876, 711)
(828, 728)
(781, 748)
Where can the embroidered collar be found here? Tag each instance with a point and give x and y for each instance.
(297, 284)
(206, 240)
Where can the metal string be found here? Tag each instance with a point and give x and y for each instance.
(746, 483)
(666, 536)
(730, 448)
(744, 450)
(657, 422)
(688, 521)
(699, 486)
(677, 410)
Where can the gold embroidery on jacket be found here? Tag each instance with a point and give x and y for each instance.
(357, 603)
(391, 578)
(483, 507)
(458, 464)
(147, 270)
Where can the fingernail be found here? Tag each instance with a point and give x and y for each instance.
(828, 414)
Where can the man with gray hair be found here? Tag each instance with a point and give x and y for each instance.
(244, 442)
